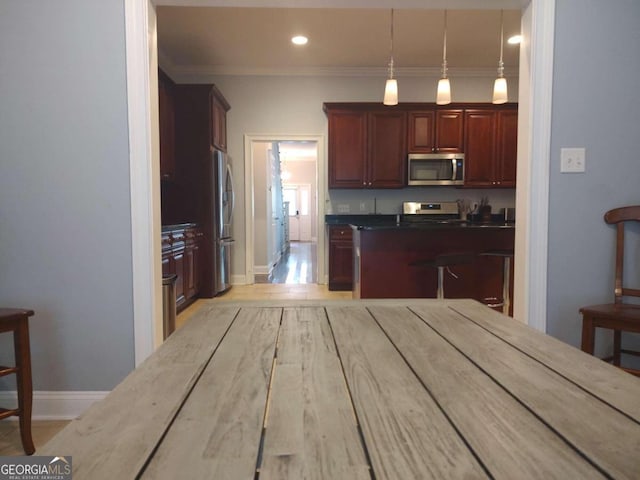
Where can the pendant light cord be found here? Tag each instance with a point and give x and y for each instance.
(501, 63)
(391, 48)
(444, 48)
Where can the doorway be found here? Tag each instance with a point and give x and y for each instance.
(284, 201)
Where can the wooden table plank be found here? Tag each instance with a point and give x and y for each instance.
(406, 434)
(601, 379)
(114, 438)
(217, 432)
(508, 438)
(605, 436)
(311, 430)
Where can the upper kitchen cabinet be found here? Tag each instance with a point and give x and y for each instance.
(490, 142)
(166, 111)
(507, 147)
(436, 131)
(347, 148)
(367, 146)
(387, 149)
(219, 109)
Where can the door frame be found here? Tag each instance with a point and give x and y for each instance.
(531, 254)
(321, 162)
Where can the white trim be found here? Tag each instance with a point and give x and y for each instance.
(238, 280)
(406, 4)
(248, 196)
(262, 270)
(542, 35)
(56, 405)
(145, 233)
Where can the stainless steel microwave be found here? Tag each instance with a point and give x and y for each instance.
(436, 169)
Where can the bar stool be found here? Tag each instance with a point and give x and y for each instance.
(506, 256)
(445, 260)
(16, 320)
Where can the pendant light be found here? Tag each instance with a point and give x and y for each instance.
(443, 97)
(391, 87)
(500, 85)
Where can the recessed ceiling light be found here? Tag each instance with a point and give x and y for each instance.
(516, 39)
(299, 40)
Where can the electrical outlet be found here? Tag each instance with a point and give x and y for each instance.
(363, 206)
(572, 160)
(343, 208)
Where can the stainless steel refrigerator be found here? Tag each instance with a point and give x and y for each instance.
(218, 211)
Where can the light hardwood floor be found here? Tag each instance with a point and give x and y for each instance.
(43, 430)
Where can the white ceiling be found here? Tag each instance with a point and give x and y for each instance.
(229, 40)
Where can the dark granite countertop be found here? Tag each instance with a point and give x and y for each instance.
(390, 222)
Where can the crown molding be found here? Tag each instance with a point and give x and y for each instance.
(178, 73)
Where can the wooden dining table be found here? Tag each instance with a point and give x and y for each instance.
(378, 389)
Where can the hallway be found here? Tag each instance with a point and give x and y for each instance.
(297, 266)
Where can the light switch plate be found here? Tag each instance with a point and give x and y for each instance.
(572, 160)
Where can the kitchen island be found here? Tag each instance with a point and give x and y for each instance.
(385, 255)
(435, 389)
(383, 249)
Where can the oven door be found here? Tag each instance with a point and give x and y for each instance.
(436, 169)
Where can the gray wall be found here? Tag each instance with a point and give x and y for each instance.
(65, 234)
(595, 105)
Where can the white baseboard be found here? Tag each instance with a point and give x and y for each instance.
(238, 279)
(262, 269)
(55, 405)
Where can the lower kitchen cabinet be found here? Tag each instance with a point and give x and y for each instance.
(340, 257)
(181, 256)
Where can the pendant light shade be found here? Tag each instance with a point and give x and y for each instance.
(444, 92)
(443, 95)
(391, 87)
(500, 90)
(391, 92)
(500, 86)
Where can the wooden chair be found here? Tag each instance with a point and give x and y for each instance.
(16, 320)
(618, 316)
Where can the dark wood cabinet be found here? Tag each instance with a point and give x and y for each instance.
(219, 109)
(367, 147)
(180, 256)
(479, 148)
(192, 262)
(436, 131)
(167, 133)
(490, 147)
(340, 257)
(347, 148)
(369, 143)
(387, 149)
(507, 144)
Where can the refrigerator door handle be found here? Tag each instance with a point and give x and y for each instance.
(233, 195)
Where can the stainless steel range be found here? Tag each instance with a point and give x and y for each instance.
(430, 212)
